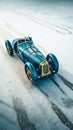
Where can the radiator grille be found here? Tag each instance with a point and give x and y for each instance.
(45, 69)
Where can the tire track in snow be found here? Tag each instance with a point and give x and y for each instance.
(57, 28)
(22, 116)
(66, 82)
(68, 102)
(63, 118)
(58, 86)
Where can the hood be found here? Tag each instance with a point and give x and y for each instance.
(33, 53)
(37, 57)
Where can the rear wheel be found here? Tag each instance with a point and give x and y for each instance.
(9, 47)
(53, 62)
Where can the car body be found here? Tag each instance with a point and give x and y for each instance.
(36, 64)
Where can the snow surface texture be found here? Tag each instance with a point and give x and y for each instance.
(47, 104)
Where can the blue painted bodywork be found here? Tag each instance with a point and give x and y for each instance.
(27, 51)
(33, 57)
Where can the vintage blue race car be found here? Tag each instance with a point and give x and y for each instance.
(36, 64)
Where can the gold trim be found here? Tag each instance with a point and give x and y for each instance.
(42, 64)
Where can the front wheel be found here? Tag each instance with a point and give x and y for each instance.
(31, 72)
(9, 47)
(53, 62)
(28, 73)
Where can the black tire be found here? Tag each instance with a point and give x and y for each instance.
(53, 62)
(9, 47)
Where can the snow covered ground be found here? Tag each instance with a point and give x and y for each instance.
(47, 104)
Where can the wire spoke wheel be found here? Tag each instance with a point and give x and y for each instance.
(28, 72)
